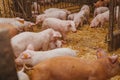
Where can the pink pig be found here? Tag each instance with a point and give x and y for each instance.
(39, 40)
(32, 57)
(100, 19)
(55, 14)
(100, 10)
(71, 16)
(63, 26)
(73, 68)
(56, 9)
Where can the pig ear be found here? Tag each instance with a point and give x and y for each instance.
(113, 58)
(30, 47)
(101, 53)
(26, 56)
(69, 24)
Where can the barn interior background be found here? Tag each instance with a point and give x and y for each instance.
(83, 41)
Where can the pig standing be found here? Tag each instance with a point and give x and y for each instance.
(79, 19)
(56, 9)
(71, 16)
(40, 40)
(73, 68)
(100, 19)
(100, 10)
(22, 75)
(56, 14)
(32, 57)
(62, 26)
(86, 10)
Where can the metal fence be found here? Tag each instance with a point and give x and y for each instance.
(114, 25)
(26, 8)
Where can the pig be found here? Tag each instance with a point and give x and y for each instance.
(99, 4)
(79, 19)
(19, 23)
(100, 19)
(35, 8)
(71, 16)
(21, 75)
(55, 44)
(73, 68)
(39, 40)
(100, 10)
(56, 14)
(63, 26)
(14, 21)
(12, 30)
(31, 57)
(56, 9)
(28, 26)
(86, 10)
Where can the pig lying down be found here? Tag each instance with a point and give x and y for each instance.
(63, 26)
(73, 68)
(32, 57)
(39, 40)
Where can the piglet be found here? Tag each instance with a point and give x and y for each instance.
(56, 9)
(39, 40)
(21, 75)
(79, 19)
(73, 68)
(32, 57)
(100, 10)
(55, 14)
(71, 16)
(63, 26)
(100, 19)
(17, 22)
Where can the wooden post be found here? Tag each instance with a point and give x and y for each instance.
(7, 66)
